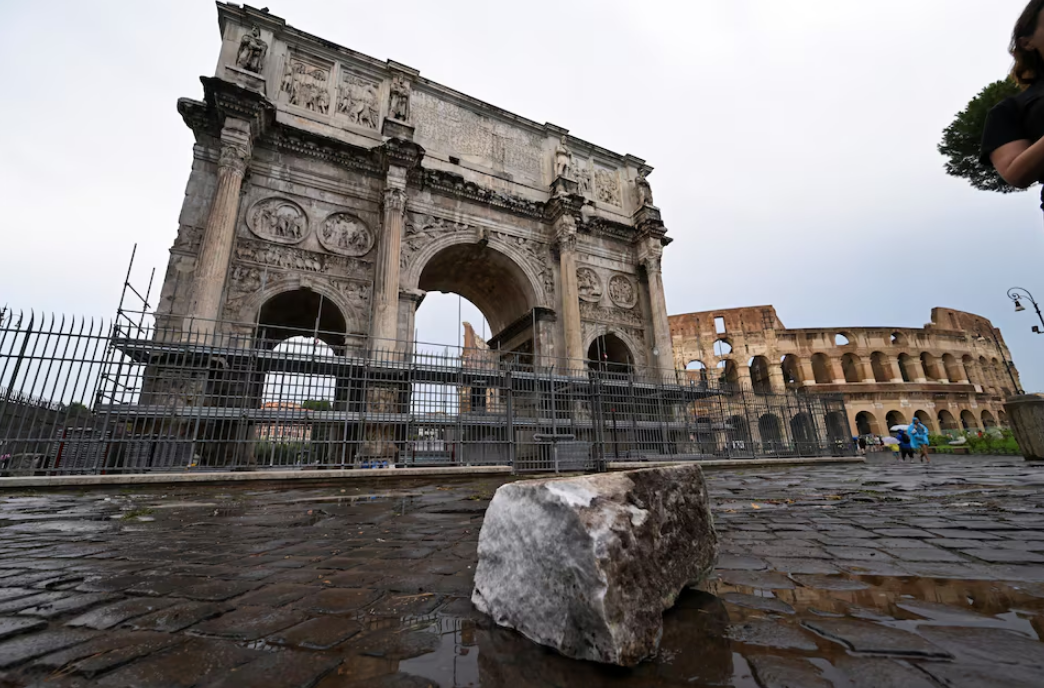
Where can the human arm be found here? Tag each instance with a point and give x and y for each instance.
(1020, 163)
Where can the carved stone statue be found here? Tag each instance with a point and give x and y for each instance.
(252, 51)
(400, 99)
(644, 190)
(563, 160)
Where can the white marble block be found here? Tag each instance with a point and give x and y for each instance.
(588, 565)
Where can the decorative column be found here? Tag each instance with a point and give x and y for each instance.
(650, 252)
(208, 280)
(565, 236)
(384, 334)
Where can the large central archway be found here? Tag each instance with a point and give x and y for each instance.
(491, 280)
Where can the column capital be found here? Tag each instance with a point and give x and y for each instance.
(234, 158)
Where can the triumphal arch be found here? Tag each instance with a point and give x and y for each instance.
(331, 191)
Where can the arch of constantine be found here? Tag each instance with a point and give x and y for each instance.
(331, 191)
(953, 374)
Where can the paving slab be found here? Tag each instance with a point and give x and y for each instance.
(114, 614)
(868, 672)
(26, 647)
(320, 633)
(249, 623)
(766, 604)
(770, 633)
(787, 672)
(181, 667)
(873, 638)
(989, 645)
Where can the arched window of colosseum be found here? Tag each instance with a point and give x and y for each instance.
(895, 418)
(841, 339)
(722, 347)
(791, 370)
(728, 375)
(770, 430)
(947, 423)
(696, 371)
(879, 364)
(926, 419)
(759, 375)
(908, 368)
(898, 339)
(866, 424)
(953, 368)
(968, 420)
(987, 420)
(1002, 418)
(852, 366)
(821, 369)
(738, 433)
(931, 367)
(804, 434)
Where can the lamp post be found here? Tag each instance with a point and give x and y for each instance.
(1017, 294)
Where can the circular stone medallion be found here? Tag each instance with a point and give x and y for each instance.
(278, 220)
(345, 234)
(622, 291)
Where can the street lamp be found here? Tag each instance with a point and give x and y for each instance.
(1017, 294)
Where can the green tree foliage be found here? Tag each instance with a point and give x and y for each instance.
(962, 139)
(316, 405)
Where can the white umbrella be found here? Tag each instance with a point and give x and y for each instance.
(897, 428)
(889, 440)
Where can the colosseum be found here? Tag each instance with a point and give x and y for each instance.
(953, 374)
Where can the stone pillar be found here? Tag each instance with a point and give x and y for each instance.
(836, 370)
(208, 281)
(384, 334)
(409, 301)
(776, 380)
(650, 252)
(805, 372)
(565, 235)
(894, 373)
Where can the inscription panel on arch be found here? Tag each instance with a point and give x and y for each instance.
(455, 130)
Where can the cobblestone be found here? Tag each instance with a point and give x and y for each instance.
(369, 585)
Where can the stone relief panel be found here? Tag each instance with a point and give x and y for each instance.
(538, 256)
(423, 229)
(306, 84)
(279, 220)
(581, 172)
(588, 285)
(452, 129)
(607, 186)
(598, 313)
(623, 291)
(357, 100)
(345, 234)
(293, 258)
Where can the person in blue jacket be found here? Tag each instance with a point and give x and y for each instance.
(919, 438)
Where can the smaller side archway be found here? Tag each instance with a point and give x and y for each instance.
(696, 370)
(968, 420)
(866, 424)
(1002, 419)
(987, 420)
(947, 423)
(770, 430)
(895, 418)
(610, 354)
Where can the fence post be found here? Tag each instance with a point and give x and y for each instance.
(510, 420)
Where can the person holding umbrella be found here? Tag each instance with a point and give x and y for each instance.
(919, 438)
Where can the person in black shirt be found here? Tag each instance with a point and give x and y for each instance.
(1013, 140)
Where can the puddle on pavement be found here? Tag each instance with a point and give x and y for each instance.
(696, 649)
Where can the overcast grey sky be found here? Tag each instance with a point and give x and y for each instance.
(794, 142)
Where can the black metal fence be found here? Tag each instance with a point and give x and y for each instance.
(81, 396)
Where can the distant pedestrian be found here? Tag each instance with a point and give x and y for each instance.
(1012, 140)
(905, 444)
(862, 445)
(919, 439)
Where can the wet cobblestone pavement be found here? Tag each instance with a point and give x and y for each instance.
(878, 575)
